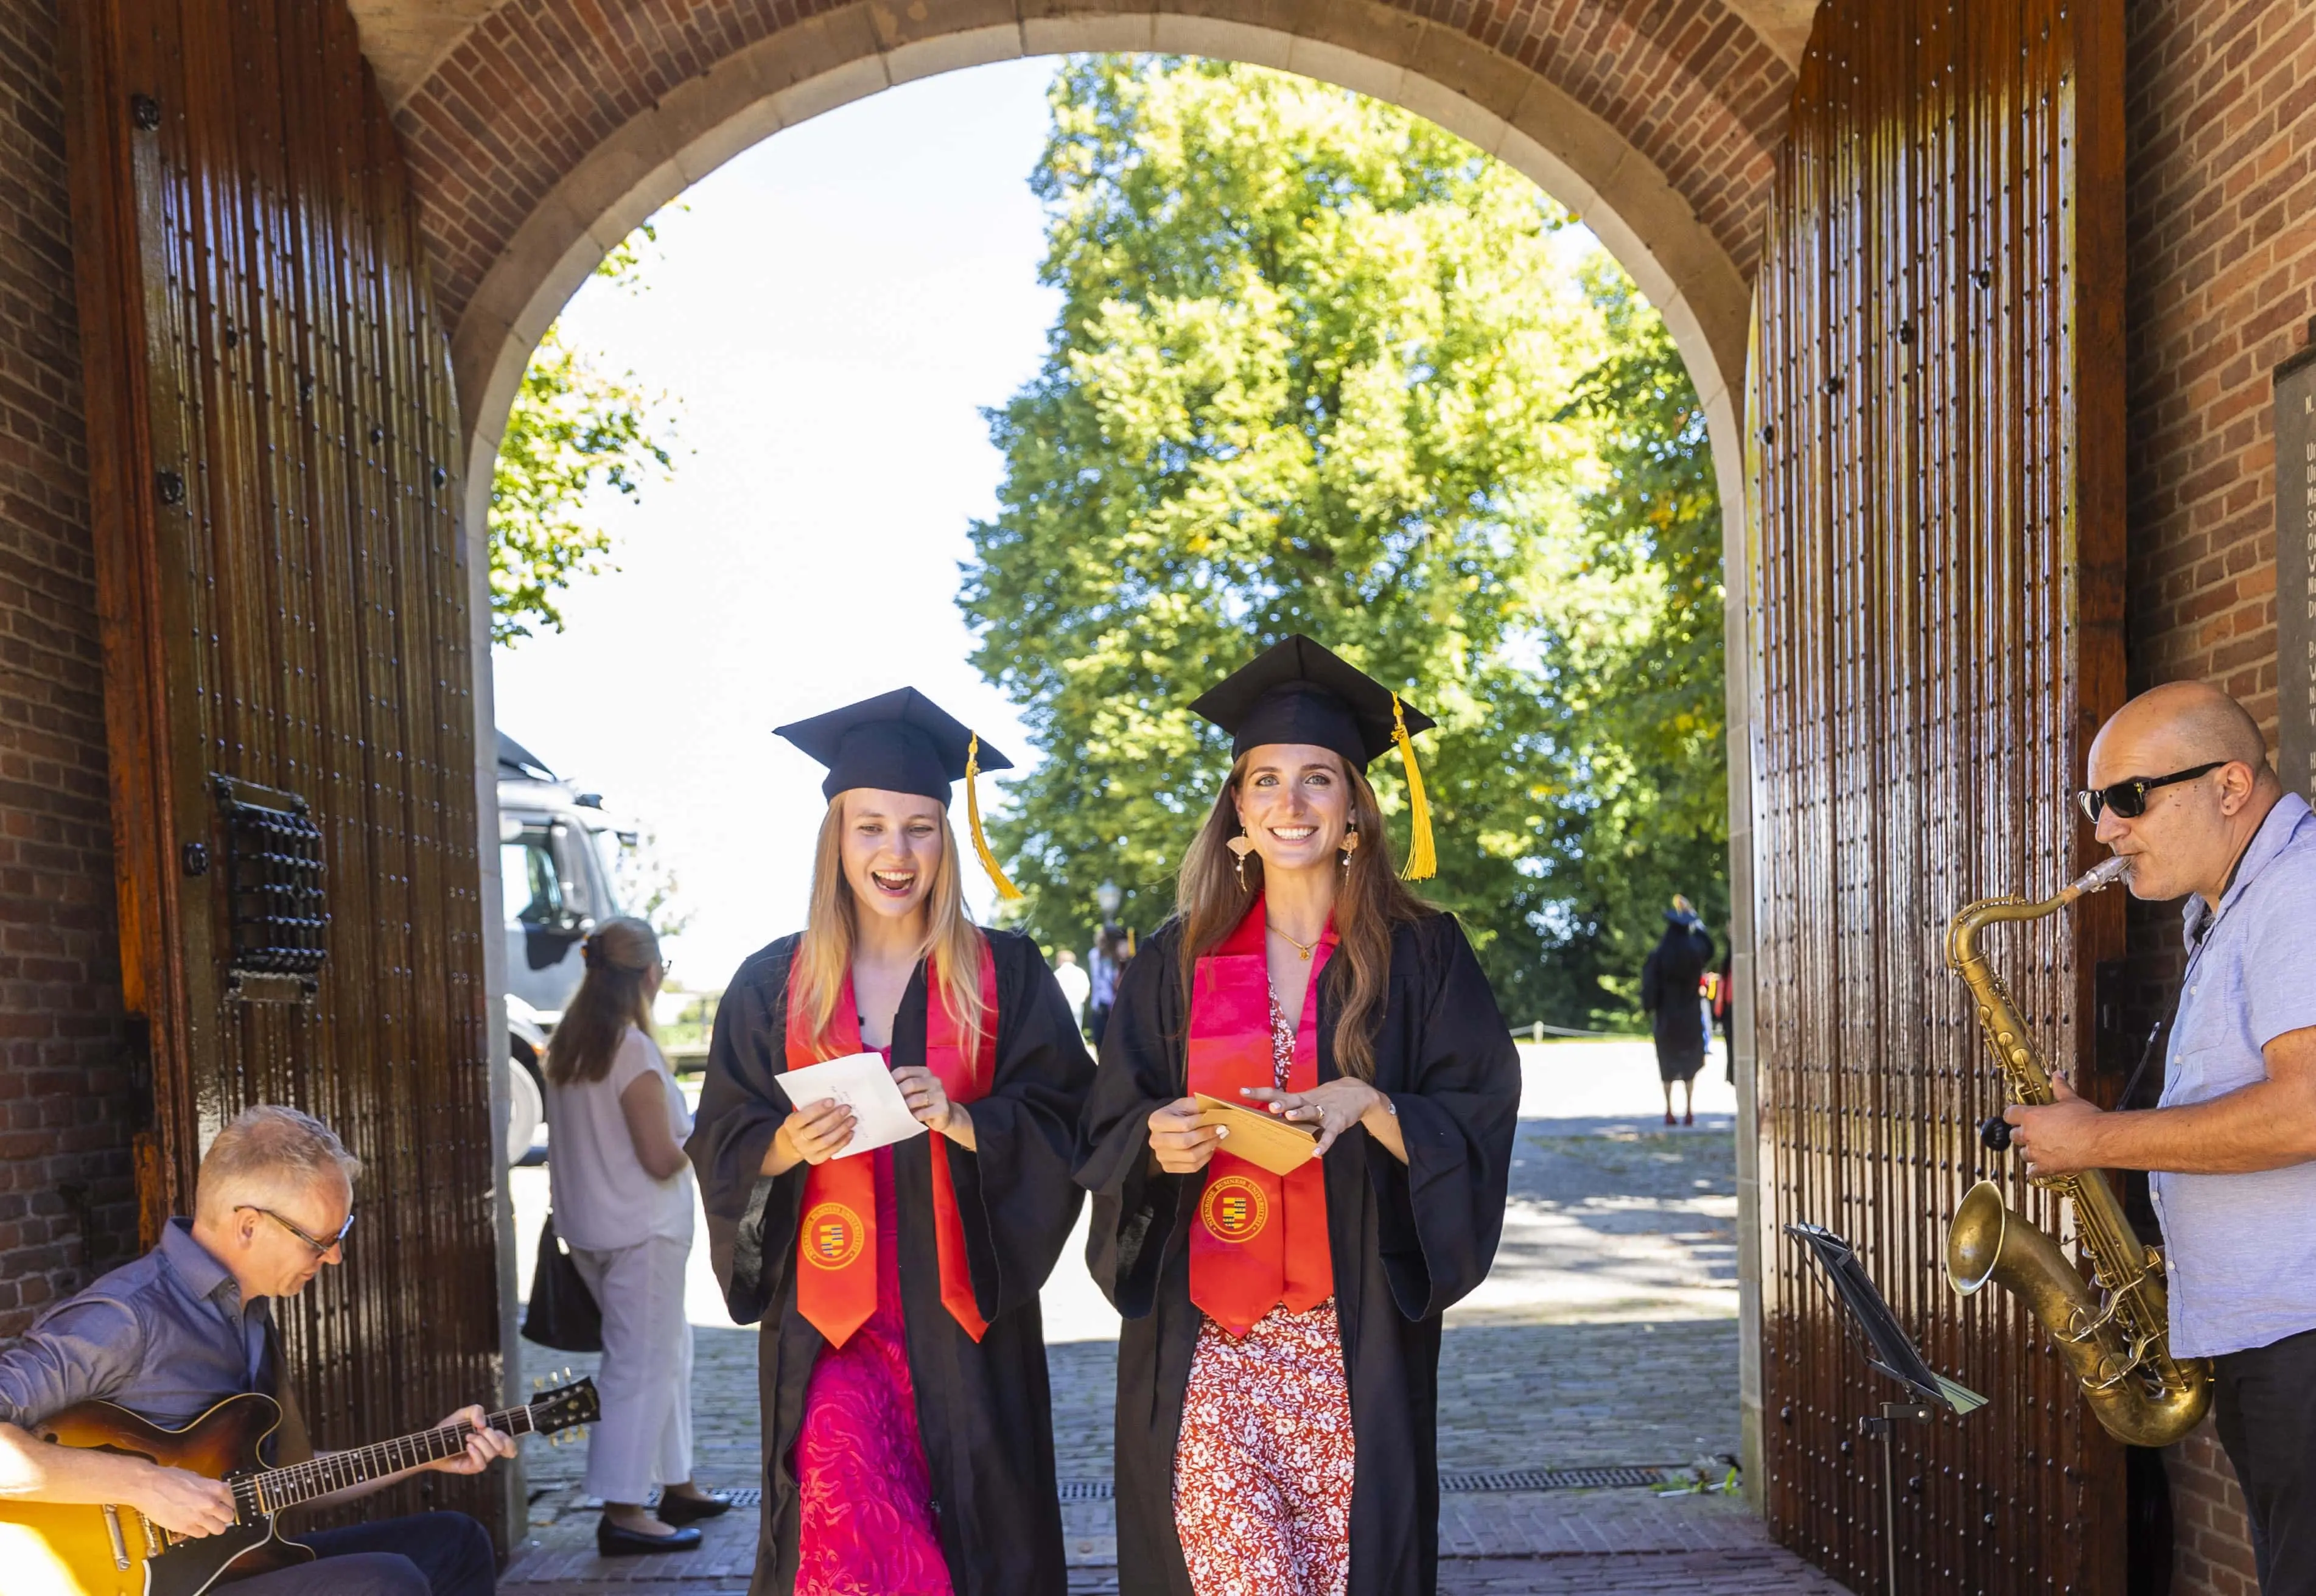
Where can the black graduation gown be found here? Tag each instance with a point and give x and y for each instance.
(983, 1410)
(1407, 1241)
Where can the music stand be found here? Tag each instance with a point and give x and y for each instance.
(1888, 1351)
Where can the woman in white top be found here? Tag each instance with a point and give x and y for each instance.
(623, 1199)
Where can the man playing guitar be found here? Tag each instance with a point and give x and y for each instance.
(186, 1326)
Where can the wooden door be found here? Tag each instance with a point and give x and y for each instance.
(1935, 607)
(288, 672)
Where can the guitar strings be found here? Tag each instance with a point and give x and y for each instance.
(274, 1489)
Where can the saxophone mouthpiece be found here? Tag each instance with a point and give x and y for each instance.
(2101, 877)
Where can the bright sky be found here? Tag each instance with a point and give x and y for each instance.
(832, 309)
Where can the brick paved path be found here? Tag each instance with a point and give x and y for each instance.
(1605, 1337)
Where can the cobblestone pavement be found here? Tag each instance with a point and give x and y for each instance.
(1605, 1337)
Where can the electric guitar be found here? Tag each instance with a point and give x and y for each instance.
(52, 1549)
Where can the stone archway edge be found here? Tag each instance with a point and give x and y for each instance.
(845, 55)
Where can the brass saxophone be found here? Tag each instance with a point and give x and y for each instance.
(2115, 1337)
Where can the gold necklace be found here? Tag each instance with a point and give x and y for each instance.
(1305, 949)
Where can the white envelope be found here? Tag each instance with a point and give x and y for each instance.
(861, 1082)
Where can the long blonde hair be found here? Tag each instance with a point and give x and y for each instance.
(824, 956)
(1371, 900)
(621, 953)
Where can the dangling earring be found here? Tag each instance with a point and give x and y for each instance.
(1351, 846)
(1242, 845)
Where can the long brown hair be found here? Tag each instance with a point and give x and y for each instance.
(823, 957)
(621, 954)
(1370, 901)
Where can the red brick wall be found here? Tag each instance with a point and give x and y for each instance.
(2221, 121)
(67, 1090)
(2211, 1553)
(537, 84)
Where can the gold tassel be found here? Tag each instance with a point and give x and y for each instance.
(1422, 862)
(1006, 891)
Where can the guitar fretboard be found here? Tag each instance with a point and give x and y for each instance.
(274, 1489)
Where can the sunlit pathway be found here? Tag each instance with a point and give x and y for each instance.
(1606, 1340)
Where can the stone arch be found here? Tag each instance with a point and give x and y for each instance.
(540, 131)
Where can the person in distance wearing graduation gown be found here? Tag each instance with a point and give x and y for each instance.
(1278, 1363)
(907, 1423)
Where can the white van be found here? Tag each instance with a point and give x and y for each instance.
(558, 865)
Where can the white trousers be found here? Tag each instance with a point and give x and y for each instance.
(644, 1437)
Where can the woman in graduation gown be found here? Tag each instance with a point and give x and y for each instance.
(1275, 1408)
(908, 1436)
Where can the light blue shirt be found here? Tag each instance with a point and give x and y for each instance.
(2242, 1248)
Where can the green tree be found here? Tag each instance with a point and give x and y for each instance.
(1640, 639)
(648, 887)
(1320, 366)
(573, 428)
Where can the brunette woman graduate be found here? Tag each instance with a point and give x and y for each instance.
(908, 1434)
(1277, 1367)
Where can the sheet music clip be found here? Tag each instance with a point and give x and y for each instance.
(1888, 1351)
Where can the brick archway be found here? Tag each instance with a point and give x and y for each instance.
(540, 131)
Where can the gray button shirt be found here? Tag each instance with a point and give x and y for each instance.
(166, 1337)
(2242, 1248)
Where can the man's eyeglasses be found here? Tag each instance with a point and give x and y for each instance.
(2128, 799)
(321, 1247)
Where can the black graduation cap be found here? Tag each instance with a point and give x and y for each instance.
(903, 742)
(1298, 691)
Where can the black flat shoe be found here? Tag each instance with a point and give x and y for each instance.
(611, 1541)
(690, 1510)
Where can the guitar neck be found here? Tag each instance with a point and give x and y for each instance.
(278, 1488)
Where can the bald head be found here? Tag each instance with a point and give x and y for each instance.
(2191, 828)
(2181, 724)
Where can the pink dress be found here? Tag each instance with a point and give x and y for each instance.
(1264, 1461)
(865, 1509)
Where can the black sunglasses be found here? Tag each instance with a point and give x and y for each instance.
(317, 1243)
(2128, 799)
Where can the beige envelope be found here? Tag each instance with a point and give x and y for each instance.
(1258, 1136)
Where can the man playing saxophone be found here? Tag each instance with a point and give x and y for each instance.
(2181, 786)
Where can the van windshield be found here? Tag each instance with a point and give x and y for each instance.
(534, 890)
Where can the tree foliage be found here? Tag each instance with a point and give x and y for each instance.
(1642, 674)
(1323, 367)
(648, 888)
(573, 428)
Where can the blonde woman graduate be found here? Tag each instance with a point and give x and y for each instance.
(908, 1434)
(1277, 1367)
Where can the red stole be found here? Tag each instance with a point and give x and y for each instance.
(1260, 1239)
(836, 1244)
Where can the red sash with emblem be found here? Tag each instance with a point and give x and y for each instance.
(1260, 1239)
(836, 1244)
